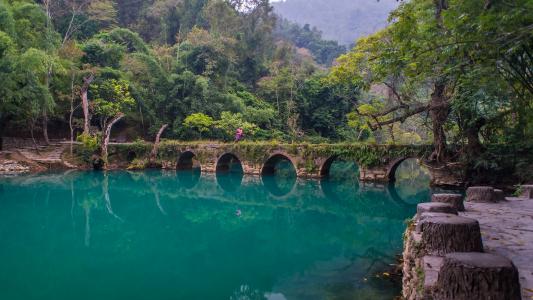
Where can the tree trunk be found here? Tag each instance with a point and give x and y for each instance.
(439, 111)
(71, 117)
(474, 147)
(153, 155)
(3, 124)
(107, 134)
(85, 103)
(45, 127)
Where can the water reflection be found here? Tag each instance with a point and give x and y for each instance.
(229, 172)
(279, 165)
(188, 179)
(325, 239)
(278, 186)
(230, 182)
(412, 180)
(337, 168)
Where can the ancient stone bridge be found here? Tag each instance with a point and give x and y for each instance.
(376, 162)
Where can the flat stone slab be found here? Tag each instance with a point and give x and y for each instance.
(437, 207)
(426, 215)
(507, 230)
(456, 200)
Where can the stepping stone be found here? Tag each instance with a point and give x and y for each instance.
(436, 207)
(477, 276)
(426, 215)
(480, 194)
(455, 200)
(449, 233)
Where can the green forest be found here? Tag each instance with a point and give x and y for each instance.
(455, 74)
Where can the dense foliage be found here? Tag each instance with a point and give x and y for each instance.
(465, 65)
(324, 52)
(202, 66)
(456, 73)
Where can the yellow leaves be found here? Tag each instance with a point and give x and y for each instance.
(199, 37)
(367, 109)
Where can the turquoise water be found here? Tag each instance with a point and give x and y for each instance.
(186, 235)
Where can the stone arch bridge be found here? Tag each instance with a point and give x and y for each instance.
(376, 163)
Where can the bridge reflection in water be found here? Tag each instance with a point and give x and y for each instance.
(305, 239)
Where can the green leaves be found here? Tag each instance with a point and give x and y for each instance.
(200, 122)
(230, 122)
(112, 97)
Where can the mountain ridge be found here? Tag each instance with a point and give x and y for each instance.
(341, 20)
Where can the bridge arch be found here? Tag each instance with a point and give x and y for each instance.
(330, 163)
(187, 161)
(229, 163)
(395, 165)
(229, 172)
(273, 164)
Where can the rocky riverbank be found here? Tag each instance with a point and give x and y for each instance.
(11, 167)
(484, 252)
(12, 163)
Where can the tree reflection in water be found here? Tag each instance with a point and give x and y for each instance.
(412, 180)
(320, 242)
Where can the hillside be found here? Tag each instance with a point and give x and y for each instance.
(340, 20)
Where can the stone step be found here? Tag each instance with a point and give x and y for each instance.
(477, 276)
(446, 233)
(456, 200)
(436, 207)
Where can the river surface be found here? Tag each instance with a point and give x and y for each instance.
(182, 235)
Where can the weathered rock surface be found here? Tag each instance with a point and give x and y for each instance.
(435, 207)
(477, 276)
(454, 200)
(480, 194)
(11, 167)
(431, 267)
